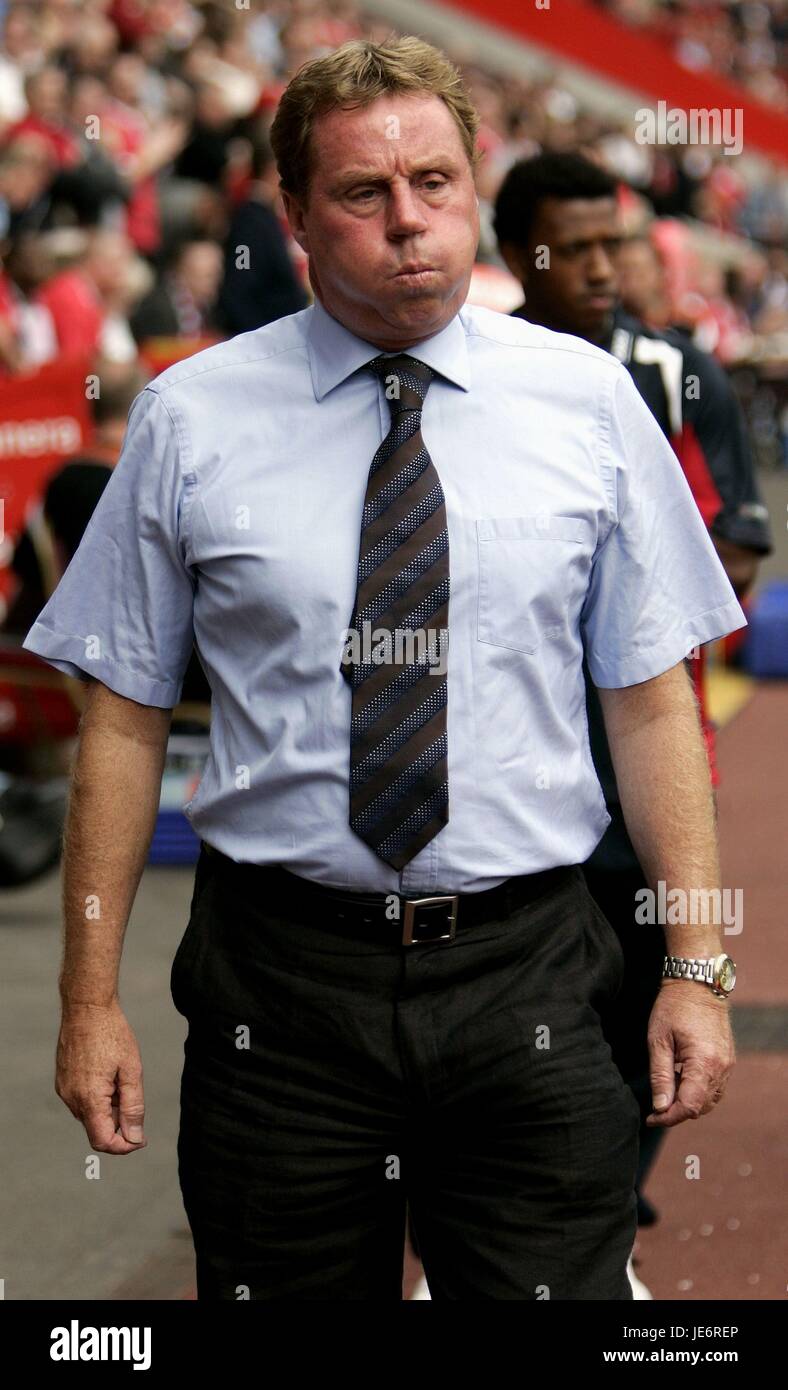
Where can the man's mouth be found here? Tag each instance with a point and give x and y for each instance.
(415, 269)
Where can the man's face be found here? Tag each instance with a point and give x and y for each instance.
(392, 192)
(200, 269)
(641, 280)
(576, 291)
(47, 94)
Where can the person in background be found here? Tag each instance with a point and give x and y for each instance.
(183, 301)
(89, 301)
(27, 331)
(58, 524)
(205, 152)
(641, 282)
(55, 528)
(26, 172)
(46, 116)
(260, 282)
(556, 220)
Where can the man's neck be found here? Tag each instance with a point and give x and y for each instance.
(543, 320)
(372, 336)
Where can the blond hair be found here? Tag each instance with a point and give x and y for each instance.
(354, 75)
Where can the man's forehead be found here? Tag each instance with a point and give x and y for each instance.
(402, 124)
(572, 215)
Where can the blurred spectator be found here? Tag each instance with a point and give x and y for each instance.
(140, 148)
(205, 154)
(19, 54)
(260, 283)
(26, 174)
(55, 528)
(94, 187)
(89, 302)
(184, 299)
(45, 94)
(27, 331)
(641, 282)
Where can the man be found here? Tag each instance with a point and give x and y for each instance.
(566, 206)
(54, 530)
(51, 536)
(184, 300)
(259, 282)
(641, 281)
(354, 1049)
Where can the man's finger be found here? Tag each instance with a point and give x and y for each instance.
(101, 1131)
(693, 1099)
(676, 1114)
(131, 1107)
(662, 1073)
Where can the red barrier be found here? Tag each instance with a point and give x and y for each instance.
(44, 418)
(160, 353)
(587, 36)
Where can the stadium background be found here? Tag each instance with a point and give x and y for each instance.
(133, 162)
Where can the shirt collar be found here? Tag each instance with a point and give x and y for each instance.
(335, 353)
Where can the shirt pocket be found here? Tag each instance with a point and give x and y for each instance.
(528, 568)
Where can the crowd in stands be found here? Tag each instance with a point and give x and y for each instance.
(745, 40)
(134, 160)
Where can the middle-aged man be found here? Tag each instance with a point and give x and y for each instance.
(393, 969)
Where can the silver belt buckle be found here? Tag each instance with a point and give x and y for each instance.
(411, 904)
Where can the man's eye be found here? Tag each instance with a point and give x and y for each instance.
(359, 195)
(436, 183)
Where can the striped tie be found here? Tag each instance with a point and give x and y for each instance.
(399, 790)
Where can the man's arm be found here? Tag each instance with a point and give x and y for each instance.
(113, 803)
(716, 449)
(663, 780)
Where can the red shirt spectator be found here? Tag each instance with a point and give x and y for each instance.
(76, 309)
(126, 132)
(61, 143)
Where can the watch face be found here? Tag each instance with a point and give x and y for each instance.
(727, 974)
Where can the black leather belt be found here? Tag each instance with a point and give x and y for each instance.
(390, 917)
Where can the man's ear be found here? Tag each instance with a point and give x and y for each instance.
(295, 216)
(514, 258)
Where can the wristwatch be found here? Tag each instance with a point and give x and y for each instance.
(719, 972)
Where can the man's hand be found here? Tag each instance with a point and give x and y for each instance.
(113, 802)
(99, 1076)
(689, 1031)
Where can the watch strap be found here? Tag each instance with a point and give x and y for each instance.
(679, 968)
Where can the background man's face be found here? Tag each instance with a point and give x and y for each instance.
(578, 292)
(392, 188)
(641, 279)
(200, 269)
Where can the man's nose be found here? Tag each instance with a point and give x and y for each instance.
(599, 266)
(405, 214)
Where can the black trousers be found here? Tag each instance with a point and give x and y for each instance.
(625, 1019)
(331, 1082)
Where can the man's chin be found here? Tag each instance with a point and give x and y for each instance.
(413, 310)
(595, 324)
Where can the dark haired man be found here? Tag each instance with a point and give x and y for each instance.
(260, 283)
(557, 224)
(183, 300)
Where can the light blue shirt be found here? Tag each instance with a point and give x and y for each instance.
(233, 517)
